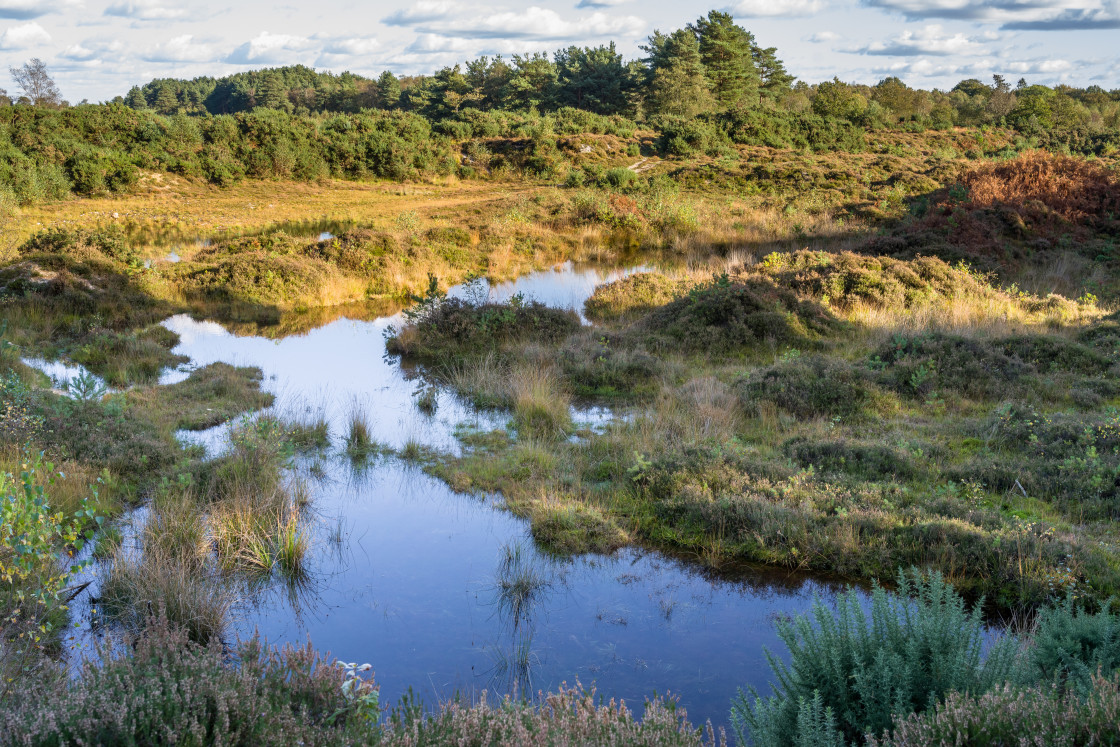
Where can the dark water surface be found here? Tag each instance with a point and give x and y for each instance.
(407, 575)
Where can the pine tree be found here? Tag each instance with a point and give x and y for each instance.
(726, 50)
(135, 99)
(774, 80)
(389, 89)
(678, 86)
(167, 102)
(534, 81)
(272, 93)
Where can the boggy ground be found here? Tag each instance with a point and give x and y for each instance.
(821, 409)
(817, 382)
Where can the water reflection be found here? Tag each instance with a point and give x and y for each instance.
(444, 593)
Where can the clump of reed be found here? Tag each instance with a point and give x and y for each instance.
(360, 443)
(137, 585)
(244, 522)
(541, 407)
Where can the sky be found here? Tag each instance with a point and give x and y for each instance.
(98, 49)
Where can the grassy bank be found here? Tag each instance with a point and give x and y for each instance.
(843, 411)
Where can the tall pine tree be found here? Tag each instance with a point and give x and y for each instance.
(678, 86)
(726, 50)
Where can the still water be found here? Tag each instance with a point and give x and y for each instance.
(406, 573)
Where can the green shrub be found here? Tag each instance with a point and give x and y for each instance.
(633, 295)
(1072, 645)
(809, 387)
(918, 645)
(871, 461)
(441, 326)
(721, 316)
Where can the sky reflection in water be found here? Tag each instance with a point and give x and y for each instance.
(413, 585)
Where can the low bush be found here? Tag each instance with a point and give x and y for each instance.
(1011, 715)
(1071, 645)
(849, 675)
(164, 689)
(440, 326)
(722, 316)
(811, 386)
(633, 296)
(869, 461)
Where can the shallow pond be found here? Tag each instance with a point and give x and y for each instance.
(407, 574)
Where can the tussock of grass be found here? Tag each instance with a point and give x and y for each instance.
(540, 406)
(134, 587)
(211, 395)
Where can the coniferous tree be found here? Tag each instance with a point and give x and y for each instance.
(135, 99)
(774, 80)
(167, 102)
(591, 78)
(1002, 100)
(534, 81)
(726, 50)
(678, 86)
(389, 89)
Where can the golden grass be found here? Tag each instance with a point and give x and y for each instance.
(541, 407)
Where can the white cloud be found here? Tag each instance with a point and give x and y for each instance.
(184, 48)
(1052, 69)
(434, 44)
(600, 3)
(27, 9)
(92, 50)
(1037, 15)
(824, 36)
(535, 23)
(930, 40)
(24, 36)
(273, 49)
(776, 8)
(354, 46)
(146, 10)
(423, 11)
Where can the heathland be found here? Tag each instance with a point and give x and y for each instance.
(875, 336)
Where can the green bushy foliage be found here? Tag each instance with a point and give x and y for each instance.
(633, 295)
(871, 461)
(852, 673)
(721, 316)
(811, 386)
(1071, 645)
(440, 326)
(779, 129)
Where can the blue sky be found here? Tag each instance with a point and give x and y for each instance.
(99, 48)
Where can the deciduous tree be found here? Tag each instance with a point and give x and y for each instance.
(37, 85)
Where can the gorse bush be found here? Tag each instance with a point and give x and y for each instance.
(1071, 645)
(723, 316)
(438, 325)
(849, 674)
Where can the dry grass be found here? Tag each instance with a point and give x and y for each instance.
(135, 586)
(541, 406)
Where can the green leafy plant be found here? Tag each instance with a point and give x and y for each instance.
(33, 582)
